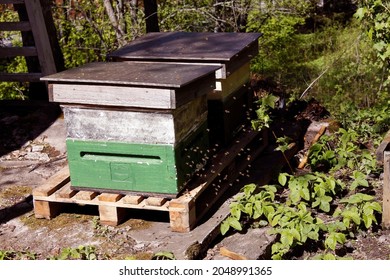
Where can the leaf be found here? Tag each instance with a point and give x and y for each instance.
(224, 227)
(249, 209)
(295, 233)
(295, 196)
(270, 100)
(325, 206)
(249, 189)
(359, 14)
(235, 224)
(275, 220)
(330, 242)
(329, 257)
(282, 179)
(305, 194)
(367, 221)
(236, 212)
(376, 206)
(286, 238)
(359, 180)
(340, 237)
(352, 215)
(313, 235)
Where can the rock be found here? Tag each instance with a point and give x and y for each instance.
(139, 246)
(384, 239)
(37, 156)
(37, 148)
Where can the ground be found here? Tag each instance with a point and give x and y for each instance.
(30, 153)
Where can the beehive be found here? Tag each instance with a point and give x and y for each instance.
(230, 100)
(134, 126)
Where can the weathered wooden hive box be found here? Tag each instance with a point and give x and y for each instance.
(229, 102)
(134, 126)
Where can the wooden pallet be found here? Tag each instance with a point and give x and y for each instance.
(185, 211)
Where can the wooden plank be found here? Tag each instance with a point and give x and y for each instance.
(111, 215)
(41, 37)
(86, 195)
(54, 183)
(110, 197)
(384, 146)
(132, 199)
(132, 84)
(65, 192)
(112, 96)
(136, 74)
(135, 126)
(386, 191)
(18, 51)
(11, 2)
(46, 209)
(230, 254)
(236, 80)
(155, 201)
(37, 89)
(20, 77)
(15, 26)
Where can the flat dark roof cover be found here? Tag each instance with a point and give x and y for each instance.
(146, 74)
(191, 46)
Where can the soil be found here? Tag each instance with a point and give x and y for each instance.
(22, 236)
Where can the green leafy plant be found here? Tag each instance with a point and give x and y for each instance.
(164, 255)
(263, 112)
(359, 209)
(317, 189)
(79, 253)
(294, 226)
(252, 205)
(17, 255)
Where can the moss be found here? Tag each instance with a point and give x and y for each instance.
(136, 224)
(15, 191)
(55, 223)
(12, 195)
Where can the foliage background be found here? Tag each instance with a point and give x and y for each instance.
(301, 40)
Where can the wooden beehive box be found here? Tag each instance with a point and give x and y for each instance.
(134, 126)
(228, 102)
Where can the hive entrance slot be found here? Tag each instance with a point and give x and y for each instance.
(127, 158)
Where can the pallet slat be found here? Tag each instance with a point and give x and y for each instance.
(132, 199)
(56, 182)
(110, 197)
(86, 195)
(65, 192)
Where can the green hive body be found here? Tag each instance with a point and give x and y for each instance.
(135, 168)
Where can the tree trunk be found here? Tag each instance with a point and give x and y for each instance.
(114, 21)
(133, 12)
